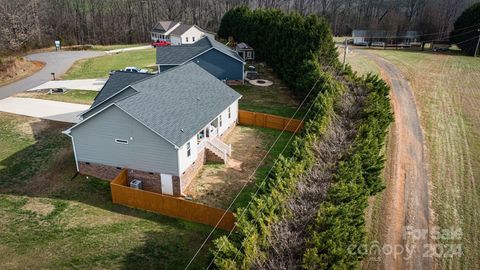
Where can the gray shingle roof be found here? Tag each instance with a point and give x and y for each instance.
(163, 26)
(243, 46)
(177, 55)
(182, 28)
(117, 82)
(178, 103)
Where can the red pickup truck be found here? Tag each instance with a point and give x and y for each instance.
(161, 43)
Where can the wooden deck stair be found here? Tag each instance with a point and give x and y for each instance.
(219, 148)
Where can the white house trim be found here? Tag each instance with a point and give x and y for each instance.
(74, 149)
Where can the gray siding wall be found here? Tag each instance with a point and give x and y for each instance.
(125, 93)
(146, 151)
(220, 65)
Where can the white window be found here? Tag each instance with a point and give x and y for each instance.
(189, 151)
(193, 39)
(186, 39)
(121, 141)
(220, 120)
(229, 113)
(249, 54)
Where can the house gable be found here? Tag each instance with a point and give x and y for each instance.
(95, 142)
(220, 65)
(124, 93)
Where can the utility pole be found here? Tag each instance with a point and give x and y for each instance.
(478, 43)
(345, 52)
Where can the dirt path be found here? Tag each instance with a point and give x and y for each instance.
(408, 193)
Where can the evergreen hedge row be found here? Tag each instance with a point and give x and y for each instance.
(299, 48)
(249, 241)
(339, 227)
(286, 42)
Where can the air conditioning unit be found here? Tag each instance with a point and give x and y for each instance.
(136, 184)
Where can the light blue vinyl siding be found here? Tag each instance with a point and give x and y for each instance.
(95, 142)
(125, 93)
(220, 65)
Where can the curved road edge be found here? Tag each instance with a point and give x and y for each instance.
(55, 62)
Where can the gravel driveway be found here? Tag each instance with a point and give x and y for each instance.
(408, 193)
(56, 62)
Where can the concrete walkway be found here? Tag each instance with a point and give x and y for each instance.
(86, 84)
(44, 109)
(129, 49)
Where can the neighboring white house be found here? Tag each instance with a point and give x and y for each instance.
(162, 129)
(178, 33)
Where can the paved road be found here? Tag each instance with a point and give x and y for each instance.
(408, 190)
(57, 62)
(44, 109)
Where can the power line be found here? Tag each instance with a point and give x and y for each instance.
(429, 34)
(253, 173)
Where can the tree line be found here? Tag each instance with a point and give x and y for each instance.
(36, 23)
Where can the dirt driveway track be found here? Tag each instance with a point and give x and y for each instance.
(55, 62)
(408, 191)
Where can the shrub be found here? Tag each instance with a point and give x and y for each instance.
(339, 226)
(289, 43)
(463, 33)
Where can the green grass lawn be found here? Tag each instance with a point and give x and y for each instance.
(99, 67)
(276, 99)
(72, 96)
(51, 221)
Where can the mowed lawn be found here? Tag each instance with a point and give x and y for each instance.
(51, 221)
(276, 99)
(99, 67)
(447, 91)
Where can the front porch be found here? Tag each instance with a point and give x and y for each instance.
(209, 140)
(159, 37)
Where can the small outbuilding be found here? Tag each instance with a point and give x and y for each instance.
(245, 51)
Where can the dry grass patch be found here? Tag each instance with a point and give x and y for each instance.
(447, 92)
(15, 68)
(218, 184)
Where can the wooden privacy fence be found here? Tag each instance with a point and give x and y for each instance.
(248, 118)
(167, 205)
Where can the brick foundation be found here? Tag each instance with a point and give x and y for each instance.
(211, 157)
(176, 185)
(104, 172)
(150, 181)
(235, 82)
(192, 170)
